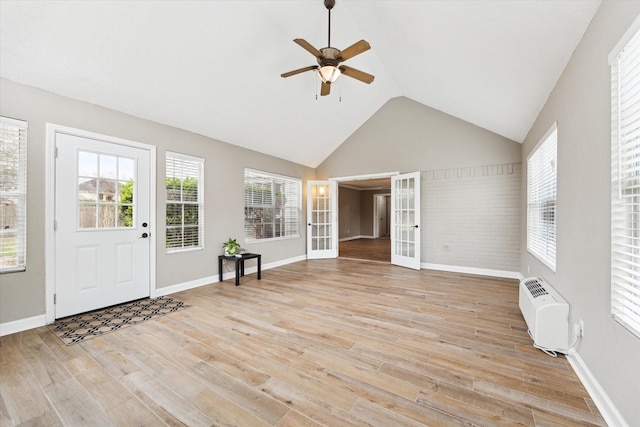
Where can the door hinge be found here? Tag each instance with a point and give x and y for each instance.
(55, 152)
(55, 298)
(55, 225)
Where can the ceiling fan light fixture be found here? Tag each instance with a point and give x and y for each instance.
(329, 73)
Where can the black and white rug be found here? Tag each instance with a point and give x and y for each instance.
(74, 329)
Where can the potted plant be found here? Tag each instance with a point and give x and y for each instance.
(231, 247)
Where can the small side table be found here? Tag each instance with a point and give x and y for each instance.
(239, 261)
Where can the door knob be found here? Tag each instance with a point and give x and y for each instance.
(144, 235)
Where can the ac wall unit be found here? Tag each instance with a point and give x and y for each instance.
(546, 314)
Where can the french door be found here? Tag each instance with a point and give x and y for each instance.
(405, 220)
(322, 230)
(102, 215)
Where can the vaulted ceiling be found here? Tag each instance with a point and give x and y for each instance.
(213, 67)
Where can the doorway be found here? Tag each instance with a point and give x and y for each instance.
(103, 208)
(364, 211)
(382, 216)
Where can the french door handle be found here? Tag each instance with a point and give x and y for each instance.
(416, 226)
(144, 236)
(309, 224)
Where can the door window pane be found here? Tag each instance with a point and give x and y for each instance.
(108, 183)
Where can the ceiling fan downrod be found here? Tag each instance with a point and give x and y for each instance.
(329, 5)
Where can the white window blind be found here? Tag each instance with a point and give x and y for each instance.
(13, 195)
(271, 206)
(625, 197)
(185, 202)
(542, 181)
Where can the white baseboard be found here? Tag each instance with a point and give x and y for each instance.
(20, 325)
(473, 270)
(609, 412)
(184, 286)
(167, 290)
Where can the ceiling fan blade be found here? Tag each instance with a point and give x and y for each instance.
(309, 48)
(298, 71)
(356, 74)
(325, 89)
(353, 50)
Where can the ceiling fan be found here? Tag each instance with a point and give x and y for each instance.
(329, 59)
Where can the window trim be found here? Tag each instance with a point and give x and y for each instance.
(201, 163)
(548, 261)
(20, 193)
(293, 180)
(625, 179)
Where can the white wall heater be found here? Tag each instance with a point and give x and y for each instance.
(546, 314)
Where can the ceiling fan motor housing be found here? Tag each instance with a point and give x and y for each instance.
(329, 57)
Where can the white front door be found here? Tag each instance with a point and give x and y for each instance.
(405, 220)
(322, 220)
(102, 215)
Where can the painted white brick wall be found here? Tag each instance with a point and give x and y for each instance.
(471, 217)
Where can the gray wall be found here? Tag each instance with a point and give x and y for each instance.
(472, 217)
(348, 212)
(22, 295)
(406, 136)
(581, 104)
(356, 212)
(366, 211)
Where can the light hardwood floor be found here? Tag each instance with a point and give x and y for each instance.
(315, 343)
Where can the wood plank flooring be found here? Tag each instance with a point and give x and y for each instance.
(368, 249)
(315, 343)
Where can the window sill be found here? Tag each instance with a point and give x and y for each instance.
(183, 250)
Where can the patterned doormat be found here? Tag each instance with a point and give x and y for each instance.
(74, 329)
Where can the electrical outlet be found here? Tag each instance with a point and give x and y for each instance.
(578, 329)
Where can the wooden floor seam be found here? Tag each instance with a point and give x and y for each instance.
(337, 342)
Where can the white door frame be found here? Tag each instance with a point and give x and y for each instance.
(49, 234)
(376, 214)
(365, 177)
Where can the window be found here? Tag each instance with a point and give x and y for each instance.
(185, 177)
(13, 195)
(625, 189)
(542, 183)
(105, 190)
(271, 206)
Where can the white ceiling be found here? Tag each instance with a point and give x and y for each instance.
(213, 67)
